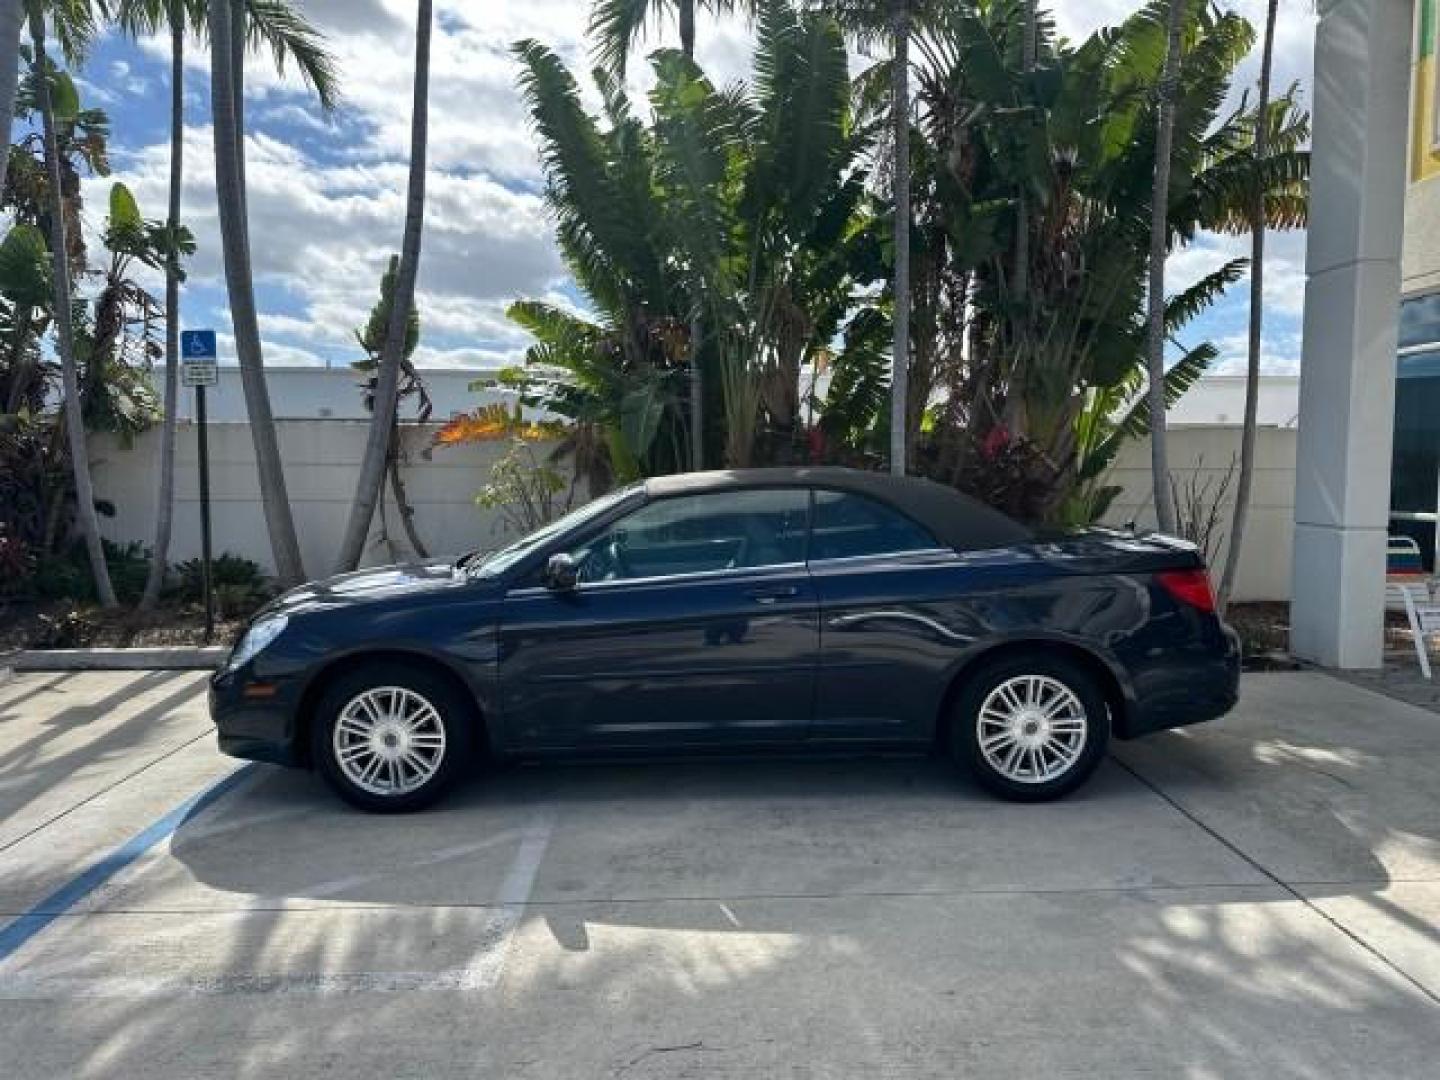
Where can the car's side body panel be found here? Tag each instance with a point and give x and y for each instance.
(660, 663)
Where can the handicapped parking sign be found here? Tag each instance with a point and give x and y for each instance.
(197, 345)
(197, 355)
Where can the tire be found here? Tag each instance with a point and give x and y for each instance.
(1054, 715)
(354, 734)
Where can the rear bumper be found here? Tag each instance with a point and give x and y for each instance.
(1196, 686)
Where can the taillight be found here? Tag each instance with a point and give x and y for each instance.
(1190, 587)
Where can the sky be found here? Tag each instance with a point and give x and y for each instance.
(327, 193)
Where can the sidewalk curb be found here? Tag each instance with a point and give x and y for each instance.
(176, 658)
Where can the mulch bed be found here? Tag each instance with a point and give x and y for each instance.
(64, 624)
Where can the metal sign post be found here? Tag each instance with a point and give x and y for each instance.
(197, 350)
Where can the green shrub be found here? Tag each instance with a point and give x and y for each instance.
(67, 576)
(17, 568)
(69, 629)
(239, 583)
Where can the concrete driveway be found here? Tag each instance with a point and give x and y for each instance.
(1256, 898)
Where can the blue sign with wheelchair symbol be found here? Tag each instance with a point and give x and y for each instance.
(197, 345)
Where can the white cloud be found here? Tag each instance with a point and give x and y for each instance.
(327, 206)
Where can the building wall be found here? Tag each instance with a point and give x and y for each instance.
(1420, 261)
(1203, 455)
(318, 393)
(321, 467)
(322, 461)
(1218, 400)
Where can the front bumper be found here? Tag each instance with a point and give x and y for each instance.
(257, 729)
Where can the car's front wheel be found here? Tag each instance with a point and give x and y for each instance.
(1031, 728)
(391, 737)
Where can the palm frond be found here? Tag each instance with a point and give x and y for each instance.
(294, 39)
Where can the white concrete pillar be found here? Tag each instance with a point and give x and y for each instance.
(1347, 374)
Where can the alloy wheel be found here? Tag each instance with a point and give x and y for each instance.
(389, 740)
(1032, 729)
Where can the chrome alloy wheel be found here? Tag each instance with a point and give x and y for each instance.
(1032, 729)
(389, 740)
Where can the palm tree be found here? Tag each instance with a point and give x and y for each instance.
(867, 20)
(290, 38)
(900, 118)
(617, 25)
(1257, 319)
(1159, 245)
(12, 22)
(78, 22)
(756, 212)
(382, 420)
(226, 21)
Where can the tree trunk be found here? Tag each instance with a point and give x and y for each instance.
(12, 22)
(20, 371)
(65, 329)
(697, 399)
(900, 116)
(239, 30)
(402, 502)
(387, 380)
(165, 488)
(1257, 320)
(234, 241)
(1029, 51)
(687, 27)
(1159, 217)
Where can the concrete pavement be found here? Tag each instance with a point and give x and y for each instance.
(1259, 896)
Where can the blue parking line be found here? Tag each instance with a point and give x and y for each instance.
(15, 934)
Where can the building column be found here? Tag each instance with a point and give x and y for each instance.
(1352, 295)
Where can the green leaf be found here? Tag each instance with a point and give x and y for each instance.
(25, 267)
(124, 210)
(64, 98)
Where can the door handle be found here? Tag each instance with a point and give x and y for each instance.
(768, 594)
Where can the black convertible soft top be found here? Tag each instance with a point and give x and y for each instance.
(956, 520)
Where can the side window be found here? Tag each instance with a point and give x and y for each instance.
(848, 525)
(694, 534)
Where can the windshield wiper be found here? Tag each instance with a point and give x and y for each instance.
(470, 557)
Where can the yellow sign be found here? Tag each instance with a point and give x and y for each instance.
(1425, 117)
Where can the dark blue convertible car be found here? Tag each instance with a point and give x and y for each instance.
(739, 610)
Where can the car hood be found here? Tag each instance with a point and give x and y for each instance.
(369, 586)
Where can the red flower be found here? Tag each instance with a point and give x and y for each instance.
(996, 441)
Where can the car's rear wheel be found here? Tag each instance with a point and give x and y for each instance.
(1030, 727)
(391, 737)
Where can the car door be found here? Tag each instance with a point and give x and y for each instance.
(881, 579)
(693, 621)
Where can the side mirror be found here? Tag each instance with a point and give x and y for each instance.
(562, 572)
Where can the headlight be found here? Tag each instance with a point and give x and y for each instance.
(256, 639)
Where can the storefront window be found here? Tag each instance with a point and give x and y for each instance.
(1415, 473)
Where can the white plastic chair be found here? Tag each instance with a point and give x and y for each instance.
(1408, 590)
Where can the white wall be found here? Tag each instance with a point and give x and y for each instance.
(318, 393)
(321, 464)
(322, 459)
(1264, 571)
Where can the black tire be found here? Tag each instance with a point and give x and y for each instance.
(455, 715)
(965, 721)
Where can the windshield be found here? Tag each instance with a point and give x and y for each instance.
(497, 562)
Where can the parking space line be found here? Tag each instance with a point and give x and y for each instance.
(41, 826)
(14, 935)
(492, 949)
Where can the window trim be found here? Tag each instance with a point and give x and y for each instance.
(886, 555)
(665, 579)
